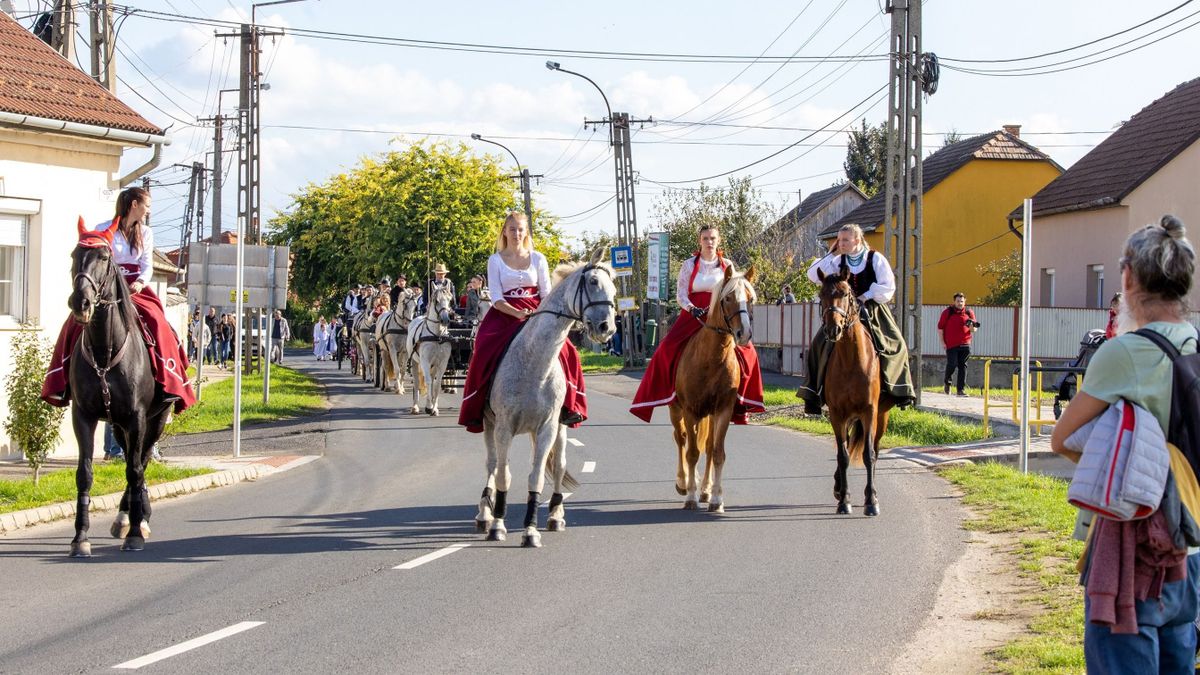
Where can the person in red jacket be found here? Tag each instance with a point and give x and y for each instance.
(958, 325)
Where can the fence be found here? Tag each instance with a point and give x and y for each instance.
(1056, 331)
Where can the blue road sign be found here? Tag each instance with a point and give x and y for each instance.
(622, 257)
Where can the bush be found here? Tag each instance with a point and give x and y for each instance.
(32, 424)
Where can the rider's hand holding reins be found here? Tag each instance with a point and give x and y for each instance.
(136, 287)
(698, 314)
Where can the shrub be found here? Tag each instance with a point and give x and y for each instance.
(32, 424)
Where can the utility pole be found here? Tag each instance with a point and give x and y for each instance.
(218, 179)
(627, 230)
(62, 37)
(103, 44)
(193, 212)
(526, 191)
(905, 185)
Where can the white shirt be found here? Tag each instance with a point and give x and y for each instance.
(507, 279)
(123, 255)
(708, 278)
(885, 280)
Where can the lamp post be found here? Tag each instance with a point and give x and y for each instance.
(555, 65)
(523, 176)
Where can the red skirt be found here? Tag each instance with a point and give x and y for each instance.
(491, 342)
(658, 384)
(168, 360)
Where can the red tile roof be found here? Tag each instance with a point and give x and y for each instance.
(1128, 157)
(225, 237)
(35, 80)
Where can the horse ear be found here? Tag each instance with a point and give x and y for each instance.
(728, 272)
(750, 274)
(81, 226)
(844, 273)
(597, 256)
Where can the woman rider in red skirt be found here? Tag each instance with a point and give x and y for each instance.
(699, 275)
(520, 276)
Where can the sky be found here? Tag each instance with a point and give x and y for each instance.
(333, 101)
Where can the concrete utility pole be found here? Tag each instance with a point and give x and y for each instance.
(103, 44)
(904, 195)
(218, 180)
(62, 38)
(193, 212)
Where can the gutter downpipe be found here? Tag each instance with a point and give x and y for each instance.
(94, 131)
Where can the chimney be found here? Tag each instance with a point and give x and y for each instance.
(1014, 129)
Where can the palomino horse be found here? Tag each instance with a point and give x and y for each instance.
(363, 334)
(706, 387)
(857, 410)
(532, 394)
(391, 336)
(110, 378)
(429, 350)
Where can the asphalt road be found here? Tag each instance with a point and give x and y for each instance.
(635, 583)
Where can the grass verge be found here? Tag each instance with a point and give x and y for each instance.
(1035, 509)
(59, 486)
(292, 394)
(600, 363)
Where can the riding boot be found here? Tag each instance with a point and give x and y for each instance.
(811, 387)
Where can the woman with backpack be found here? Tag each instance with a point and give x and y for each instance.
(1156, 275)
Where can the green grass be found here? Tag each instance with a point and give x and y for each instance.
(292, 394)
(1035, 508)
(600, 363)
(59, 486)
(775, 396)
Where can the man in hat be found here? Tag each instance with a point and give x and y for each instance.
(399, 289)
(440, 280)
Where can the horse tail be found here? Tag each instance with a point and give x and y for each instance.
(569, 481)
(856, 440)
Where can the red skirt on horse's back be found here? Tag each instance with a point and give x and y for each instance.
(658, 384)
(168, 359)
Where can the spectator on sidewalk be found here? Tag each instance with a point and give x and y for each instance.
(280, 333)
(202, 335)
(210, 322)
(1114, 310)
(958, 326)
(786, 298)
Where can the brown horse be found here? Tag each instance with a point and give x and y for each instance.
(706, 386)
(857, 409)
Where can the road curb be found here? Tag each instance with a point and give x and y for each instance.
(44, 514)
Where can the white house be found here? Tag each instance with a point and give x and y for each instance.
(62, 136)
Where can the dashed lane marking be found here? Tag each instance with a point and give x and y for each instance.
(589, 467)
(189, 645)
(575, 442)
(430, 557)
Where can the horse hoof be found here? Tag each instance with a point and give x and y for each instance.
(716, 508)
(145, 528)
(690, 505)
(133, 544)
(555, 525)
(482, 526)
(871, 510)
(81, 549)
(844, 509)
(433, 412)
(533, 540)
(414, 410)
(120, 527)
(681, 491)
(705, 497)
(497, 535)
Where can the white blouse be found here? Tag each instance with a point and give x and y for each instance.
(885, 280)
(123, 255)
(709, 277)
(509, 280)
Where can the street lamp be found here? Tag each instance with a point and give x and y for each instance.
(523, 176)
(555, 65)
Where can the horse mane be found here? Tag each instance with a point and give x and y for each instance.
(564, 270)
(727, 287)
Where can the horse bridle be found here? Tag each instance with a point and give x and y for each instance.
(728, 329)
(85, 347)
(428, 335)
(850, 314)
(582, 297)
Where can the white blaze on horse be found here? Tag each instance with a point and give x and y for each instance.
(391, 336)
(528, 392)
(429, 349)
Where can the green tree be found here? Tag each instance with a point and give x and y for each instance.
(32, 423)
(400, 212)
(951, 137)
(1004, 287)
(866, 158)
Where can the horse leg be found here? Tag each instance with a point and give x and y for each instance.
(557, 520)
(705, 440)
(502, 438)
(120, 526)
(718, 427)
(85, 433)
(870, 501)
(545, 437)
(840, 486)
(437, 370)
(135, 481)
(680, 433)
(414, 367)
(483, 520)
(693, 455)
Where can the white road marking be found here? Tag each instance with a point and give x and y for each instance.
(575, 442)
(589, 467)
(430, 557)
(189, 645)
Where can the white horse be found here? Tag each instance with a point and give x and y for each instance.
(363, 335)
(429, 350)
(528, 393)
(485, 304)
(391, 336)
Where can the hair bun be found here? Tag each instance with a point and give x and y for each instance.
(1173, 226)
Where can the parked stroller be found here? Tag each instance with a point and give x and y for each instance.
(1068, 384)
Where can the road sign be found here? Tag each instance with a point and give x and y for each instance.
(624, 273)
(626, 304)
(212, 275)
(622, 257)
(658, 266)
(233, 296)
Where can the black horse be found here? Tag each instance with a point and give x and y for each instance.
(111, 378)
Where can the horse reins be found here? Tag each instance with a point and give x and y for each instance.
(582, 297)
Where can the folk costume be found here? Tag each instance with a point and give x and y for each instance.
(523, 289)
(168, 360)
(697, 280)
(874, 284)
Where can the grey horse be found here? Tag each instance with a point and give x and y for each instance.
(391, 336)
(528, 392)
(429, 350)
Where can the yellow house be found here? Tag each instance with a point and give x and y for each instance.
(970, 187)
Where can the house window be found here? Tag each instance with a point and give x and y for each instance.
(1047, 287)
(12, 266)
(1095, 286)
